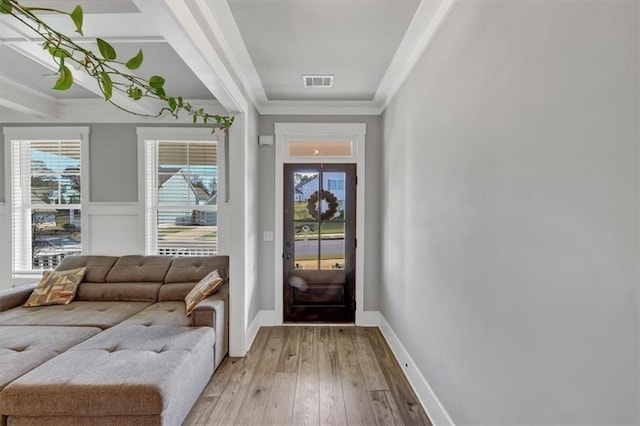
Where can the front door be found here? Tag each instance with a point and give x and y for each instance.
(319, 253)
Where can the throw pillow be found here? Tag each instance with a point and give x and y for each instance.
(205, 288)
(56, 288)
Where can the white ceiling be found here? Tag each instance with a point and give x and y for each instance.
(354, 41)
(235, 51)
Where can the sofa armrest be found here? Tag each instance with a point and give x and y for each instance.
(15, 297)
(214, 312)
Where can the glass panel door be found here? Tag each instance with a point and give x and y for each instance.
(319, 242)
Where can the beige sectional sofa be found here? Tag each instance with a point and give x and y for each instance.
(123, 352)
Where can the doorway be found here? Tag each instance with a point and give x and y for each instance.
(319, 242)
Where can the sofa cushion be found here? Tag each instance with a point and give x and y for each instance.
(23, 348)
(206, 287)
(16, 296)
(128, 269)
(97, 266)
(195, 268)
(128, 292)
(56, 288)
(174, 291)
(170, 312)
(132, 371)
(87, 314)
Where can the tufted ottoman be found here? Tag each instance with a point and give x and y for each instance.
(24, 348)
(129, 374)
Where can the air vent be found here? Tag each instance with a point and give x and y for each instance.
(317, 80)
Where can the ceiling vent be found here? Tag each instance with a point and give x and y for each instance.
(317, 80)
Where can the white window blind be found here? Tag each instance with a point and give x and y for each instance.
(181, 198)
(46, 199)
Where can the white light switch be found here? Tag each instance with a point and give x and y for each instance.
(267, 236)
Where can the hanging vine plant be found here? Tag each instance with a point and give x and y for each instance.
(111, 74)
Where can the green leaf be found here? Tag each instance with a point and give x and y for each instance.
(58, 52)
(5, 6)
(106, 85)
(161, 93)
(172, 104)
(65, 78)
(195, 118)
(135, 93)
(76, 17)
(106, 50)
(156, 82)
(135, 62)
(180, 101)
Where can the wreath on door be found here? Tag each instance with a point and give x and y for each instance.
(332, 205)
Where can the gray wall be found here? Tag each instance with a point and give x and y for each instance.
(373, 143)
(510, 218)
(113, 162)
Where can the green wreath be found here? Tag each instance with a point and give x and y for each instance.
(331, 200)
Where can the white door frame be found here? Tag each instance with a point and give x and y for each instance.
(318, 132)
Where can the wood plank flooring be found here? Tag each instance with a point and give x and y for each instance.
(310, 375)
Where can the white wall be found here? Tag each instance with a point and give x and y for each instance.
(253, 278)
(510, 218)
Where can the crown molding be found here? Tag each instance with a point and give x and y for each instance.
(320, 108)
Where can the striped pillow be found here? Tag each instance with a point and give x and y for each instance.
(56, 288)
(206, 287)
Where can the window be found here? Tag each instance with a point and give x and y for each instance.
(47, 185)
(181, 197)
(335, 185)
(320, 148)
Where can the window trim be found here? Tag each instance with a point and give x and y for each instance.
(178, 134)
(39, 134)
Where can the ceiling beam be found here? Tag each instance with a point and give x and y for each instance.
(35, 53)
(188, 36)
(23, 99)
(32, 49)
(219, 19)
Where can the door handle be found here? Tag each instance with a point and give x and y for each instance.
(287, 249)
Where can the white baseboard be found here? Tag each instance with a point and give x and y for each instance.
(368, 318)
(436, 412)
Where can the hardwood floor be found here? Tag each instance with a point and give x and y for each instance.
(310, 375)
